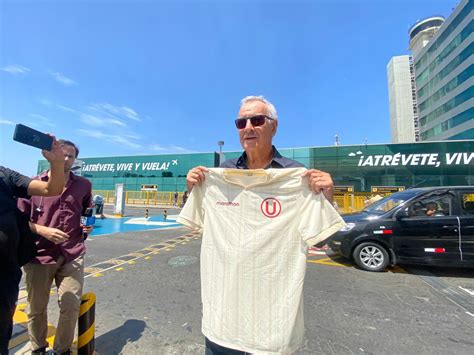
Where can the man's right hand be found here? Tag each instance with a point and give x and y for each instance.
(54, 235)
(56, 155)
(195, 177)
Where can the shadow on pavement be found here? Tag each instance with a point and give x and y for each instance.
(439, 271)
(113, 341)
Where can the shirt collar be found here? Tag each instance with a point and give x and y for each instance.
(277, 160)
(44, 176)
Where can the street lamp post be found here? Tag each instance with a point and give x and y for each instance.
(220, 144)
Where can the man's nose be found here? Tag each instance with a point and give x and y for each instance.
(248, 125)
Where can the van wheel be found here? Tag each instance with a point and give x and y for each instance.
(370, 256)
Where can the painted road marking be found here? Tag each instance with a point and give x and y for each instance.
(125, 259)
(20, 319)
(145, 221)
(339, 261)
(467, 290)
(328, 261)
(458, 297)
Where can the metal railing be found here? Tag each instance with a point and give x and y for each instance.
(148, 198)
(345, 203)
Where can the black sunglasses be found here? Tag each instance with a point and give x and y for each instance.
(256, 121)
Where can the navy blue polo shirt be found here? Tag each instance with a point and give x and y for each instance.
(278, 162)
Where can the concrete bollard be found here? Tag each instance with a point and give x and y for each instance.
(86, 325)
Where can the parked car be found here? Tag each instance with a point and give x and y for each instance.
(432, 226)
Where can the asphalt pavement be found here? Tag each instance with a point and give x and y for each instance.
(148, 301)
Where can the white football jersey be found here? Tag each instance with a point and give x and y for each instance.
(256, 225)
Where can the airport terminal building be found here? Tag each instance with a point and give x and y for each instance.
(356, 168)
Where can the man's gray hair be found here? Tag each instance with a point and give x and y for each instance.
(271, 109)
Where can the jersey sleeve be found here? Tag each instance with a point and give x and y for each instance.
(318, 218)
(192, 214)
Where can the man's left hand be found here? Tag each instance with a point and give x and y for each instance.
(88, 229)
(320, 181)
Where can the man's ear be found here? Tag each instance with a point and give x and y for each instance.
(275, 126)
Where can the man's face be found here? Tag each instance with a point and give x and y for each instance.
(260, 137)
(69, 157)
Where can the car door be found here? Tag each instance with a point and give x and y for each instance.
(467, 224)
(428, 237)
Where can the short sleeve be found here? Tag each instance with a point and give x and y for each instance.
(318, 218)
(24, 205)
(192, 214)
(18, 182)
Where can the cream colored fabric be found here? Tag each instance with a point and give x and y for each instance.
(256, 227)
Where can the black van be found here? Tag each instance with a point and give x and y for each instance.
(432, 226)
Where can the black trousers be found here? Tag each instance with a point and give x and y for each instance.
(99, 208)
(216, 349)
(9, 288)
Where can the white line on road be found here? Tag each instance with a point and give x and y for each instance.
(467, 290)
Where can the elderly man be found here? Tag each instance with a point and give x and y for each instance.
(256, 227)
(257, 124)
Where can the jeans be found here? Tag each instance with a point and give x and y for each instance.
(9, 288)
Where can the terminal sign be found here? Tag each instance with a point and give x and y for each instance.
(343, 189)
(386, 189)
(149, 187)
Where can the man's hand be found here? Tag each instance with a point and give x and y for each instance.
(56, 155)
(195, 177)
(319, 181)
(54, 235)
(87, 229)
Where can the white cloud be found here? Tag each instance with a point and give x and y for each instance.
(42, 120)
(95, 121)
(68, 109)
(157, 148)
(109, 138)
(45, 102)
(7, 122)
(116, 111)
(16, 69)
(62, 79)
(169, 149)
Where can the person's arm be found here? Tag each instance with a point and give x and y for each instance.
(87, 203)
(54, 235)
(55, 184)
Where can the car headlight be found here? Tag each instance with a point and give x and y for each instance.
(347, 227)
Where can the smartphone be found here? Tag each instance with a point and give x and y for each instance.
(30, 136)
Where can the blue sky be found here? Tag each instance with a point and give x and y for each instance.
(156, 77)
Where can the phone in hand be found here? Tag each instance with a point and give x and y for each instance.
(30, 136)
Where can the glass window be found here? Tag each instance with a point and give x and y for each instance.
(421, 79)
(468, 203)
(451, 27)
(466, 53)
(452, 122)
(449, 105)
(432, 206)
(451, 85)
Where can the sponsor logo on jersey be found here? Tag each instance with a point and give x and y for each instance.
(271, 207)
(227, 203)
